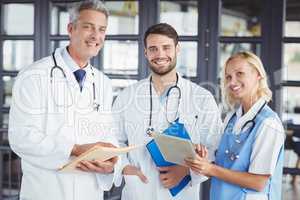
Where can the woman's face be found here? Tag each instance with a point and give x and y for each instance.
(242, 80)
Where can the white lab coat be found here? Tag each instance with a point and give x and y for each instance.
(46, 120)
(197, 110)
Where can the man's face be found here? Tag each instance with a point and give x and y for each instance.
(87, 34)
(161, 53)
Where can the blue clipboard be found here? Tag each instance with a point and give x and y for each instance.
(178, 130)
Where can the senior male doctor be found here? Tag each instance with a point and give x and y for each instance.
(61, 107)
(153, 104)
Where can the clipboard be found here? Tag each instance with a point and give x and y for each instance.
(97, 153)
(178, 130)
(175, 149)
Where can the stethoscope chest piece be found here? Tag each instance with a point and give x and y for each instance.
(150, 131)
(233, 151)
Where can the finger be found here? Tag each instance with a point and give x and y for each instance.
(196, 170)
(143, 178)
(105, 144)
(130, 170)
(164, 182)
(103, 164)
(198, 148)
(81, 167)
(110, 145)
(206, 152)
(162, 177)
(189, 163)
(200, 169)
(192, 161)
(86, 166)
(197, 166)
(202, 151)
(163, 169)
(113, 160)
(100, 167)
(167, 183)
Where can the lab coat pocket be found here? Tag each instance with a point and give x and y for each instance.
(134, 188)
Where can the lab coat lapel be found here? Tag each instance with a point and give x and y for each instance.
(180, 84)
(69, 74)
(159, 121)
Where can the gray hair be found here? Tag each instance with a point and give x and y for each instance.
(96, 5)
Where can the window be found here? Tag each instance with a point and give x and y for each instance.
(24, 17)
(17, 44)
(241, 18)
(120, 57)
(183, 16)
(17, 54)
(124, 17)
(291, 68)
(240, 29)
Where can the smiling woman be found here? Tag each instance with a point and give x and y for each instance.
(247, 166)
(244, 80)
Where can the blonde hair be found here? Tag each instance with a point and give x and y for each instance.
(254, 61)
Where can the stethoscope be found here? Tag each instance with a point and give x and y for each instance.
(150, 129)
(95, 104)
(233, 155)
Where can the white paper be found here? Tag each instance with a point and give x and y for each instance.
(97, 153)
(175, 149)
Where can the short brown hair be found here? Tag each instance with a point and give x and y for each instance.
(162, 29)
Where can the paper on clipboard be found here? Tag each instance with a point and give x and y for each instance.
(175, 149)
(97, 153)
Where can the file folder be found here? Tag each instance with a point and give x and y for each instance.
(178, 130)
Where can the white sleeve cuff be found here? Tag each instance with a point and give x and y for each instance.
(118, 170)
(105, 181)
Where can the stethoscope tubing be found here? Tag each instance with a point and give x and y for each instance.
(56, 66)
(167, 95)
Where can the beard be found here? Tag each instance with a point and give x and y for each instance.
(164, 70)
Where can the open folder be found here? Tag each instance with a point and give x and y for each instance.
(97, 153)
(175, 149)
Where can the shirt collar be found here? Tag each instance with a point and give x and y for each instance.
(70, 61)
(250, 115)
(164, 93)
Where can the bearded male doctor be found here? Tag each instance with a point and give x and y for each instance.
(147, 106)
(61, 107)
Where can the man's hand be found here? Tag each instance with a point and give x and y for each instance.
(81, 148)
(104, 167)
(97, 166)
(171, 176)
(133, 170)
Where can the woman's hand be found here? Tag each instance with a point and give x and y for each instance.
(201, 150)
(200, 164)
